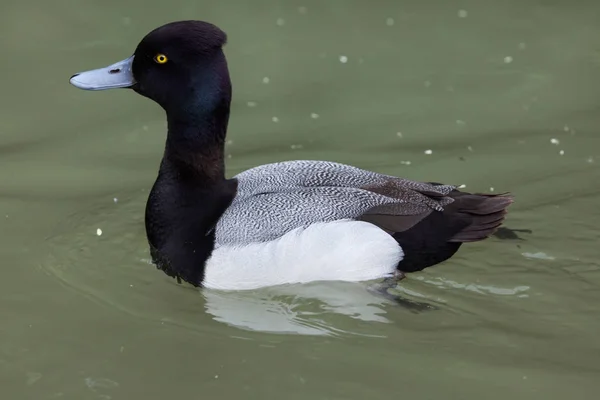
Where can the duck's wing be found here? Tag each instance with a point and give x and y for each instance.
(274, 199)
(291, 175)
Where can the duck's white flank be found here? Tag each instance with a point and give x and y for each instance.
(343, 250)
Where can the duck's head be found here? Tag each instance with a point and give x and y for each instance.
(180, 65)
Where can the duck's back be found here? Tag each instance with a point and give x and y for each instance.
(274, 199)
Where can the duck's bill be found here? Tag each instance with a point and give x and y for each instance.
(117, 75)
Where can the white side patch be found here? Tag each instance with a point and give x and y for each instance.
(344, 250)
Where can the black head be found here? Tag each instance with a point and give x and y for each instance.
(179, 65)
(181, 62)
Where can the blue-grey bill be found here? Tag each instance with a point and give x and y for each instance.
(117, 75)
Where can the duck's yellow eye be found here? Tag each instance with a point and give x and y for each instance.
(160, 58)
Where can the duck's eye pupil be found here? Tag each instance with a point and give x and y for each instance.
(160, 58)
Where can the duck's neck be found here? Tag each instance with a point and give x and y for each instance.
(197, 128)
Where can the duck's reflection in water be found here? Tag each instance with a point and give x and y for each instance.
(298, 309)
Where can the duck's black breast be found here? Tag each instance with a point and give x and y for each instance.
(180, 218)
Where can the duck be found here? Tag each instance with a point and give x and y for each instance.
(283, 223)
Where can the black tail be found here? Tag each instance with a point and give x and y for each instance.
(470, 218)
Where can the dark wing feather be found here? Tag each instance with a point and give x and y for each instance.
(430, 226)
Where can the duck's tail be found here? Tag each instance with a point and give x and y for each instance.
(483, 212)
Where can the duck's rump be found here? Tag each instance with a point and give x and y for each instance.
(434, 236)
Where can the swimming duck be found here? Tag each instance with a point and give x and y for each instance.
(281, 223)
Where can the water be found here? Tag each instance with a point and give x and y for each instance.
(489, 94)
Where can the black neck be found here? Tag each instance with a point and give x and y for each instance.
(191, 192)
(197, 125)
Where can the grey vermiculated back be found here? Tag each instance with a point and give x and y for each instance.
(273, 199)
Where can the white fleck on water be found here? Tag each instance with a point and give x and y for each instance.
(522, 46)
(428, 151)
(491, 189)
(314, 115)
(296, 147)
(539, 255)
(251, 104)
(99, 232)
(343, 59)
(427, 84)
(462, 186)
(302, 10)
(481, 289)
(462, 13)
(554, 141)
(508, 59)
(562, 152)
(100, 383)
(405, 162)
(280, 22)
(399, 134)
(33, 377)
(389, 21)
(115, 199)
(460, 122)
(266, 80)
(275, 119)
(469, 148)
